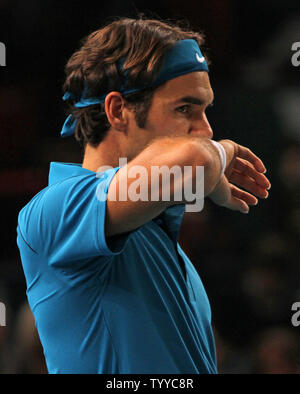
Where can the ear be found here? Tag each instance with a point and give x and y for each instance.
(116, 111)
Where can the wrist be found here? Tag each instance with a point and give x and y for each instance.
(230, 150)
(222, 155)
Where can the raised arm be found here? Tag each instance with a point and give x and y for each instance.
(123, 216)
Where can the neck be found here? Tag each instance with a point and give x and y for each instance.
(107, 153)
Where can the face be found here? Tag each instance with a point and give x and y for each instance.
(178, 108)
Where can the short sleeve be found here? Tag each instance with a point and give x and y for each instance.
(67, 222)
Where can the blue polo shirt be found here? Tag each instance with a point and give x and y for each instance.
(133, 304)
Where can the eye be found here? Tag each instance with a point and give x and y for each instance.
(184, 109)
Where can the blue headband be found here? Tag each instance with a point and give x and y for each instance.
(183, 58)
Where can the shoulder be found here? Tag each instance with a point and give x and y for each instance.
(69, 208)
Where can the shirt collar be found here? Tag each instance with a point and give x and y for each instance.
(60, 171)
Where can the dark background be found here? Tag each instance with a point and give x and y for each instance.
(249, 263)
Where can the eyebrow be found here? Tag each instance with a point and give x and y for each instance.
(193, 100)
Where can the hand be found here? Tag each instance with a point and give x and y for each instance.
(243, 170)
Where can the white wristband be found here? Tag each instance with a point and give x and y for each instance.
(222, 154)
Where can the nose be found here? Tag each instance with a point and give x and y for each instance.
(202, 127)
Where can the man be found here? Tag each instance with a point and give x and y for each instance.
(109, 286)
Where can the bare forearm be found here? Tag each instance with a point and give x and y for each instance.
(165, 153)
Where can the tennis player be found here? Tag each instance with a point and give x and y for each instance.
(110, 288)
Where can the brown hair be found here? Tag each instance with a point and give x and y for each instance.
(142, 43)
